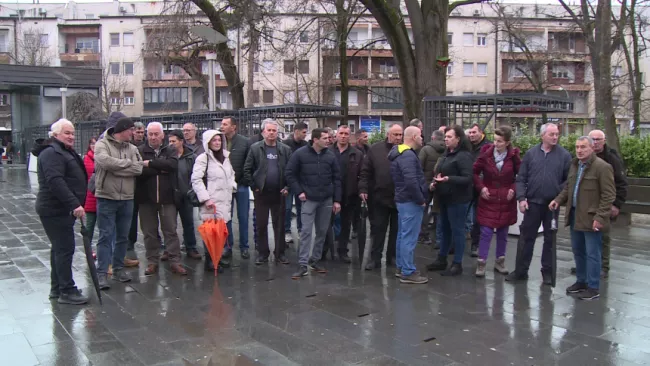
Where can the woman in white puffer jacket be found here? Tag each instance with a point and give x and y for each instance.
(213, 180)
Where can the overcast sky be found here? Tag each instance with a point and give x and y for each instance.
(94, 1)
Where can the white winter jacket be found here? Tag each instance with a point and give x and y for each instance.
(221, 180)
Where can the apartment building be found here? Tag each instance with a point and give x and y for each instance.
(296, 64)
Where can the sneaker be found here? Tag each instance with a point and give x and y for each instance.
(261, 260)
(73, 297)
(103, 281)
(480, 268)
(413, 278)
(456, 269)
(576, 288)
(589, 294)
(500, 266)
(288, 238)
(244, 254)
(120, 275)
(282, 259)
(547, 279)
(514, 277)
(131, 262)
(474, 251)
(315, 266)
(302, 271)
(440, 264)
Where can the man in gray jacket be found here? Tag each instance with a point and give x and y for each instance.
(117, 163)
(542, 176)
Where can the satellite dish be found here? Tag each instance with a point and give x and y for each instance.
(208, 34)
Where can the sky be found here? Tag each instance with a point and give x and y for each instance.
(95, 1)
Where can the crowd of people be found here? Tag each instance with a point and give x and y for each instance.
(468, 185)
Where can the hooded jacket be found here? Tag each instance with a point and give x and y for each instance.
(62, 179)
(317, 175)
(375, 179)
(457, 165)
(220, 181)
(429, 156)
(116, 166)
(111, 121)
(157, 182)
(406, 171)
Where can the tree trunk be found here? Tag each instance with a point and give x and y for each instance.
(637, 85)
(254, 41)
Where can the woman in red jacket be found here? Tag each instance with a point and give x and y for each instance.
(91, 202)
(494, 177)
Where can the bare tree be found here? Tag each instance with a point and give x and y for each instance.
(84, 106)
(32, 48)
(114, 85)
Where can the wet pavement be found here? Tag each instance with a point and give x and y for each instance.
(257, 315)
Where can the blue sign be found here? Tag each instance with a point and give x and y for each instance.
(370, 124)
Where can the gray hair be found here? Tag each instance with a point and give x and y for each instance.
(269, 121)
(586, 138)
(138, 125)
(415, 122)
(545, 126)
(438, 135)
(57, 127)
(155, 124)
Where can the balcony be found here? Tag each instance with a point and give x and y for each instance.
(80, 48)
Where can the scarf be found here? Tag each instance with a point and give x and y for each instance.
(499, 158)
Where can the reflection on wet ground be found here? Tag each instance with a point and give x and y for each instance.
(258, 315)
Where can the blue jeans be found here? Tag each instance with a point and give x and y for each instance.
(114, 222)
(186, 212)
(409, 223)
(438, 230)
(287, 213)
(469, 220)
(587, 248)
(452, 220)
(243, 206)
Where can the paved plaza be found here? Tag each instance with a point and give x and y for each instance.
(258, 316)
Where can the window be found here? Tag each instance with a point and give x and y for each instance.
(468, 69)
(4, 99)
(387, 95)
(256, 67)
(617, 72)
(267, 96)
(115, 98)
(114, 68)
(127, 39)
(256, 96)
(174, 70)
(560, 72)
(163, 95)
(304, 37)
(450, 38)
(468, 39)
(303, 66)
(289, 67)
(468, 93)
(267, 66)
(90, 16)
(481, 69)
(89, 44)
(481, 39)
(387, 66)
(616, 101)
(43, 40)
(115, 39)
(128, 68)
(129, 98)
(450, 68)
(4, 36)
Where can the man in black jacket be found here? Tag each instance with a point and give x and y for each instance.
(183, 175)
(238, 146)
(377, 189)
(62, 181)
(611, 156)
(155, 196)
(295, 142)
(478, 140)
(314, 172)
(264, 169)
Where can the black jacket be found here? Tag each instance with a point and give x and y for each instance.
(315, 174)
(256, 165)
(158, 181)
(476, 148)
(375, 177)
(407, 175)
(542, 176)
(239, 147)
(350, 185)
(458, 166)
(184, 174)
(293, 144)
(62, 179)
(620, 179)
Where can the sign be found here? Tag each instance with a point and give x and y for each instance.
(370, 124)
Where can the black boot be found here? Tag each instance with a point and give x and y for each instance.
(440, 264)
(456, 269)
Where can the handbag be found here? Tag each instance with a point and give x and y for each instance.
(191, 195)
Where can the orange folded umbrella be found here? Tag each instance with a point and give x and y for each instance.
(214, 233)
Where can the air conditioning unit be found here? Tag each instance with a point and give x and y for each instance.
(122, 10)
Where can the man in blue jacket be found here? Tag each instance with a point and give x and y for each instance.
(411, 198)
(313, 173)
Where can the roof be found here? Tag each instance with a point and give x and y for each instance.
(72, 77)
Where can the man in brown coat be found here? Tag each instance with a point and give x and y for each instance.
(588, 194)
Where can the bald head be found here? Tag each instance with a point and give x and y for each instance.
(598, 137)
(413, 137)
(395, 134)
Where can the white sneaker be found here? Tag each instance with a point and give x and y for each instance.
(288, 238)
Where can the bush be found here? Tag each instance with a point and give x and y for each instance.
(634, 151)
(377, 136)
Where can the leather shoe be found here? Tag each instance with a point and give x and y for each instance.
(546, 279)
(178, 268)
(245, 254)
(131, 262)
(193, 253)
(152, 269)
(164, 257)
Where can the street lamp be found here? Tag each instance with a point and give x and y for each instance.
(63, 90)
(212, 37)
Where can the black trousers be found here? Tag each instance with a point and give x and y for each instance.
(349, 215)
(537, 214)
(380, 217)
(475, 234)
(60, 232)
(274, 202)
(133, 232)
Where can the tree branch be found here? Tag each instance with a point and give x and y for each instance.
(456, 4)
